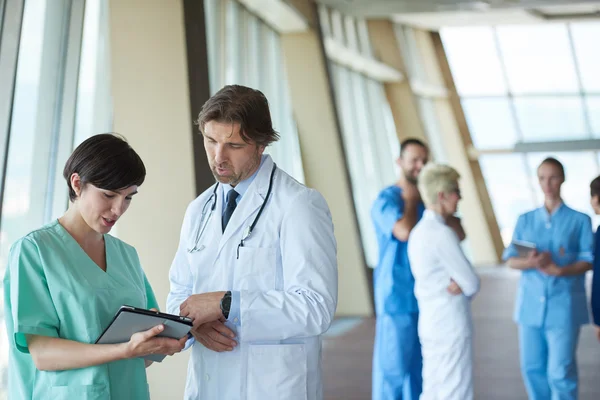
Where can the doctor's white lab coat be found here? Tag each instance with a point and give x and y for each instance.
(445, 324)
(286, 274)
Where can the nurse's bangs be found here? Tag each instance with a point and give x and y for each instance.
(106, 161)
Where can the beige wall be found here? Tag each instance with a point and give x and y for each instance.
(324, 163)
(151, 108)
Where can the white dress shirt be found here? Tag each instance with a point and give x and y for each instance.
(436, 258)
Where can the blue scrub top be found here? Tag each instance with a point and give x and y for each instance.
(549, 301)
(393, 281)
(596, 280)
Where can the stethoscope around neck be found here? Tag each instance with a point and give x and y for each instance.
(212, 201)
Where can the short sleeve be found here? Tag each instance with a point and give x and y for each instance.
(31, 304)
(511, 250)
(150, 296)
(586, 241)
(386, 211)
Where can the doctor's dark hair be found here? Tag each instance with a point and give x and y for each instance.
(412, 142)
(245, 106)
(595, 187)
(106, 161)
(553, 161)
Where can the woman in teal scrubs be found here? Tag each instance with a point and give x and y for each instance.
(551, 303)
(66, 280)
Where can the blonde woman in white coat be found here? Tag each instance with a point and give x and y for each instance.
(445, 282)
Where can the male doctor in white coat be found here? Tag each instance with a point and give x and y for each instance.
(256, 266)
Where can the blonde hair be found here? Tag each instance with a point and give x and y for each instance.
(437, 178)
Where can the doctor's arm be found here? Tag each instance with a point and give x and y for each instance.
(456, 225)
(394, 215)
(306, 305)
(458, 267)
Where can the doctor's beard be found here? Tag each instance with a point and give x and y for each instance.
(410, 176)
(247, 170)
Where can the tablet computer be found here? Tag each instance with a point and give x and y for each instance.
(523, 247)
(129, 320)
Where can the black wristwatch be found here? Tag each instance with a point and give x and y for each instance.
(226, 304)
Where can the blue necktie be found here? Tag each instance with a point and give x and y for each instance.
(230, 208)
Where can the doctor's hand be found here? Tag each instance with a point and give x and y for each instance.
(201, 308)
(215, 336)
(145, 343)
(453, 288)
(597, 331)
(410, 192)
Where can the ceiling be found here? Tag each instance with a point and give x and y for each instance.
(433, 14)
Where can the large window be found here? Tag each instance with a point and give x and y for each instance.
(533, 85)
(370, 142)
(61, 96)
(244, 50)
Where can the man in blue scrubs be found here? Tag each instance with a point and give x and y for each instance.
(397, 361)
(551, 302)
(595, 201)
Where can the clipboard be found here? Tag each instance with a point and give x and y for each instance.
(129, 320)
(523, 247)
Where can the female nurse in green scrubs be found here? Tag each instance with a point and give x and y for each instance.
(66, 280)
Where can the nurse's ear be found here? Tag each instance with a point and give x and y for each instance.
(76, 183)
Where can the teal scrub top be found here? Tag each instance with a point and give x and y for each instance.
(52, 288)
(549, 301)
(393, 281)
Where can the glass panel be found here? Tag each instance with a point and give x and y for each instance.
(538, 59)
(585, 41)
(18, 216)
(94, 105)
(580, 170)
(432, 129)
(214, 18)
(593, 112)
(491, 122)
(551, 118)
(474, 61)
(370, 145)
(510, 191)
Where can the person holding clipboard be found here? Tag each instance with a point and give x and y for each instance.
(551, 303)
(65, 281)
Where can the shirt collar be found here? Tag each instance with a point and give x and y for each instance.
(243, 186)
(430, 214)
(544, 212)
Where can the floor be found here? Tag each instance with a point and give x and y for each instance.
(348, 349)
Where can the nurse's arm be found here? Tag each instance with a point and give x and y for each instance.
(56, 354)
(532, 261)
(577, 268)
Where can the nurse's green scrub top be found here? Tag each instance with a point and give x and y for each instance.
(52, 288)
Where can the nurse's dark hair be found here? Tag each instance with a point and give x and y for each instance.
(411, 142)
(242, 105)
(595, 187)
(106, 161)
(556, 163)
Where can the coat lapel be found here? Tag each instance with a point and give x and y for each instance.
(249, 205)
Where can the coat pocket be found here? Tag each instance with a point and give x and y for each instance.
(277, 371)
(79, 392)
